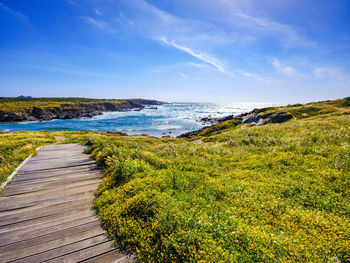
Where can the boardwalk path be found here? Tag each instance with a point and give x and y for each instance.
(45, 212)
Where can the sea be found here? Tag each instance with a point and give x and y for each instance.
(170, 119)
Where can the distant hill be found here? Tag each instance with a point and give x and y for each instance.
(31, 109)
(22, 96)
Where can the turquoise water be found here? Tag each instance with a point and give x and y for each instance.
(171, 119)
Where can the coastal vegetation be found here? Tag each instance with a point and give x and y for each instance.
(31, 109)
(17, 146)
(23, 104)
(235, 192)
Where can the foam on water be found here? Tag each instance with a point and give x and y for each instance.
(170, 119)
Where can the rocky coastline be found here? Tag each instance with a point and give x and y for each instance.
(256, 117)
(74, 111)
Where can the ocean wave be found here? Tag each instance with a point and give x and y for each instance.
(175, 118)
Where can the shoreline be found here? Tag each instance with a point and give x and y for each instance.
(23, 110)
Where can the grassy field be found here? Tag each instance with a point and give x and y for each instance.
(15, 147)
(315, 109)
(234, 193)
(22, 104)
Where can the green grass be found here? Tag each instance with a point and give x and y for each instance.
(275, 193)
(236, 193)
(316, 109)
(16, 147)
(23, 104)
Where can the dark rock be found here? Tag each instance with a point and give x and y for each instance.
(278, 117)
(256, 116)
(37, 112)
(148, 102)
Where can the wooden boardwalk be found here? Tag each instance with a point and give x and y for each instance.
(45, 213)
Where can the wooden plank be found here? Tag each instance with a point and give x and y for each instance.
(43, 239)
(17, 229)
(20, 206)
(111, 256)
(32, 233)
(52, 173)
(50, 217)
(28, 251)
(84, 254)
(69, 187)
(64, 250)
(42, 195)
(47, 185)
(59, 179)
(45, 212)
(57, 167)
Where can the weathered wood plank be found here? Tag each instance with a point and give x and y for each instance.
(69, 187)
(29, 226)
(58, 178)
(84, 254)
(44, 239)
(45, 186)
(17, 253)
(43, 195)
(64, 250)
(53, 173)
(17, 236)
(21, 206)
(45, 212)
(111, 256)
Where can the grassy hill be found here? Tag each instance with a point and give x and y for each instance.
(23, 104)
(30, 109)
(233, 193)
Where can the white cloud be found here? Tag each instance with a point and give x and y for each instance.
(247, 18)
(201, 56)
(15, 13)
(98, 12)
(182, 75)
(99, 23)
(333, 73)
(70, 69)
(288, 34)
(246, 74)
(71, 2)
(284, 69)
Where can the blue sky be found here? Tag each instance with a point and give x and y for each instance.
(176, 50)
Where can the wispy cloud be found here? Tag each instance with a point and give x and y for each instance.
(71, 2)
(288, 34)
(203, 39)
(99, 23)
(98, 12)
(322, 73)
(251, 22)
(182, 75)
(285, 70)
(201, 56)
(15, 12)
(69, 69)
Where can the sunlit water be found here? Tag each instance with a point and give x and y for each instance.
(171, 119)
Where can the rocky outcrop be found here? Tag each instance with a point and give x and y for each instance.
(148, 102)
(256, 116)
(261, 117)
(73, 110)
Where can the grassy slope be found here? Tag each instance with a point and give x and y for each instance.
(315, 109)
(274, 193)
(22, 104)
(15, 147)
